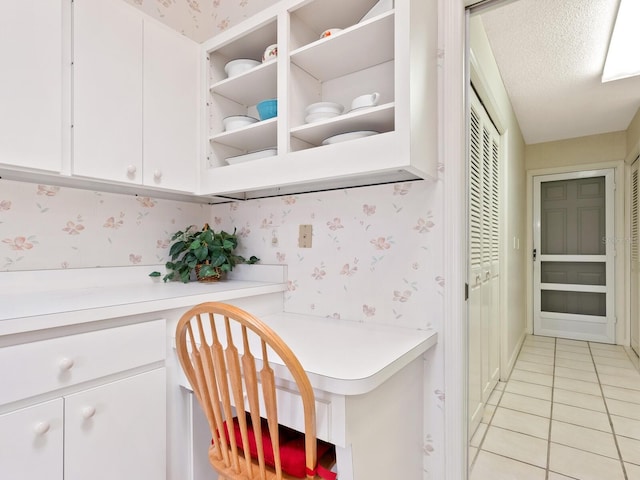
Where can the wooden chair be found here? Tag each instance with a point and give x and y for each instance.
(214, 342)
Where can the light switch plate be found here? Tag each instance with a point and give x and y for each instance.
(304, 236)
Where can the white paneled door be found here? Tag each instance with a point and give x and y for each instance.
(484, 248)
(573, 257)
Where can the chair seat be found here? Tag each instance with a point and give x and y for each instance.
(292, 448)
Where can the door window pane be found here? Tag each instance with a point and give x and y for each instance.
(580, 303)
(575, 273)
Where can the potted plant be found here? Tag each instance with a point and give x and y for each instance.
(207, 253)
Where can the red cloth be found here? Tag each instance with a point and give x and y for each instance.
(292, 452)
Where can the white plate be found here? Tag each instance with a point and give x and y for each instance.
(316, 117)
(269, 152)
(345, 137)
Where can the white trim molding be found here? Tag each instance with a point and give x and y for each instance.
(453, 81)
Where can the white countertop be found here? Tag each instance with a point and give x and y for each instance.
(340, 356)
(47, 299)
(347, 357)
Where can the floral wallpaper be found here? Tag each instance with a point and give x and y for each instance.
(201, 19)
(47, 227)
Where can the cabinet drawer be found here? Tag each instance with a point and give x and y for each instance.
(38, 367)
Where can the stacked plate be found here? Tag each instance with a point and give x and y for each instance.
(235, 122)
(268, 152)
(322, 110)
(345, 137)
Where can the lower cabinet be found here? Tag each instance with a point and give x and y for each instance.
(117, 430)
(112, 431)
(31, 442)
(85, 404)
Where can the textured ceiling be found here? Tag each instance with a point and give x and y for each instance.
(550, 54)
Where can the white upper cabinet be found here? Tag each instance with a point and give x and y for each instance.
(107, 91)
(171, 109)
(378, 47)
(31, 83)
(135, 98)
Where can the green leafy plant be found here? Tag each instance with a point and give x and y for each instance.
(210, 254)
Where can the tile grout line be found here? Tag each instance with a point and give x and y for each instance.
(553, 383)
(606, 407)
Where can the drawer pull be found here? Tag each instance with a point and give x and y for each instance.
(65, 364)
(41, 428)
(88, 412)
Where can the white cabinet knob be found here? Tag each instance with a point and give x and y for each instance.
(41, 428)
(65, 364)
(88, 412)
(157, 174)
(131, 169)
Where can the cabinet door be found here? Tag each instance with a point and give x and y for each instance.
(171, 65)
(107, 91)
(117, 430)
(31, 442)
(31, 84)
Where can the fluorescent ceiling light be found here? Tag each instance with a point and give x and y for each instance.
(623, 57)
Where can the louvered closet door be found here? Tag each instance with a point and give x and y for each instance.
(484, 236)
(635, 260)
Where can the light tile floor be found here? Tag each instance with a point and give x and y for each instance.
(570, 410)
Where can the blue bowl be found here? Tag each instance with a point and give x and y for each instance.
(268, 109)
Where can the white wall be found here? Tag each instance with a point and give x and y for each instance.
(486, 79)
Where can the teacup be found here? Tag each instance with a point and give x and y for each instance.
(270, 52)
(368, 100)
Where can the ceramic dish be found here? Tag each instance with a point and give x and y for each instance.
(270, 52)
(241, 65)
(345, 137)
(330, 32)
(324, 107)
(268, 152)
(316, 117)
(267, 109)
(237, 121)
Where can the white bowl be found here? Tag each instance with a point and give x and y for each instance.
(344, 137)
(317, 116)
(241, 65)
(324, 107)
(269, 152)
(237, 121)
